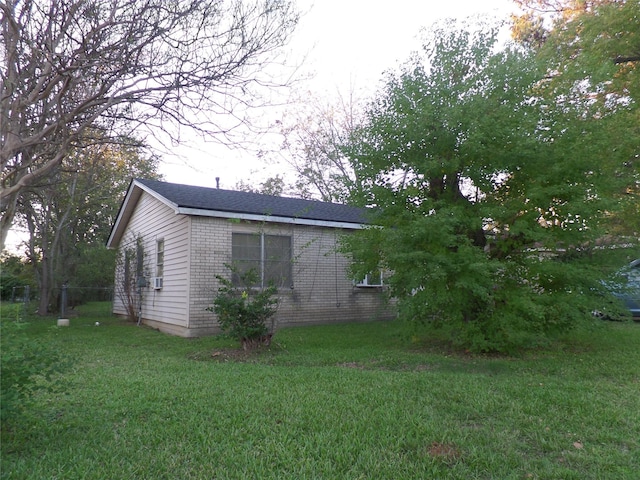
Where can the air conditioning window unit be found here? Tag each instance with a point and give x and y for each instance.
(157, 283)
(371, 280)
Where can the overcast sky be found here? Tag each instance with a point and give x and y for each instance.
(346, 44)
(356, 40)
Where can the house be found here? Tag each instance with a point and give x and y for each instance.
(173, 241)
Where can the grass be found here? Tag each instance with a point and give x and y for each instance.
(336, 402)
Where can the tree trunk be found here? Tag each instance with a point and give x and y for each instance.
(44, 285)
(6, 220)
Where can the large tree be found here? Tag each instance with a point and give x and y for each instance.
(591, 50)
(492, 191)
(69, 216)
(71, 68)
(313, 136)
(581, 23)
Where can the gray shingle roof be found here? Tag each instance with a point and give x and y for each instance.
(203, 198)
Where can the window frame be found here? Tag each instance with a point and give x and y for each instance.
(160, 257)
(265, 263)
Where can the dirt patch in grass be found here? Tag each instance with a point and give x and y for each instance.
(447, 452)
(230, 355)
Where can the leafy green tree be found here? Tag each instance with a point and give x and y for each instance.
(592, 53)
(70, 214)
(491, 192)
(612, 24)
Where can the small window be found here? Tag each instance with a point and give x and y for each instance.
(268, 255)
(374, 279)
(160, 258)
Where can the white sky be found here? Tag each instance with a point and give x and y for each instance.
(346, 44)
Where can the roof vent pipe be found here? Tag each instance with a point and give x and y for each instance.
(217, 182)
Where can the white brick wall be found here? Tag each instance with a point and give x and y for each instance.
(322, 291)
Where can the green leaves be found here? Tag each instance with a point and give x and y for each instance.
(28, 365)
(244, 313)
(493, 186)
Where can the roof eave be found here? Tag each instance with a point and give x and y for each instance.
(128, 206)
(135, 192)
(269, 218)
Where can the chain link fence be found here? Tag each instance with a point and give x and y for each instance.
(20, 297)
(90, 301)
(67, 301)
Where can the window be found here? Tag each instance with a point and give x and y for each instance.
(371, 280)
(268, 255)
(160, 258)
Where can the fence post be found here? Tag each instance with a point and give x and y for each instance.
(26, 298)
(63, 301)
(63, 321)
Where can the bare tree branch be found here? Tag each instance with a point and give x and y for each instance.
(69, 66)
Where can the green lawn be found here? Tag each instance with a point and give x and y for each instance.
(359, 401)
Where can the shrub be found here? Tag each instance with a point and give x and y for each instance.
(130, 275)
(14, 272)
(28, 364)
(246, 313)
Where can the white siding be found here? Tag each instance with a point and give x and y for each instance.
(152, 220)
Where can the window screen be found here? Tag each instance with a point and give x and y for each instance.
(268, 255)
(246, 254)
(160, 258)
(277, 261)
(373, 279)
